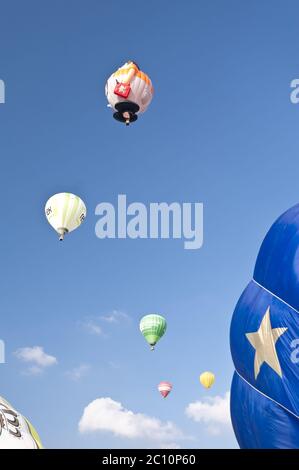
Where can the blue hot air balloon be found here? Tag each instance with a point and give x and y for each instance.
(265, 344)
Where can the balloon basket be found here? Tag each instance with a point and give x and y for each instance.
(126, 112)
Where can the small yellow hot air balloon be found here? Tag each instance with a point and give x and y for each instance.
(207, 379)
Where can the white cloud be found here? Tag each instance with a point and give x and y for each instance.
(114, 365)
(78, 372)
(33, 370)
(115, 316)
(214, 412)
(93, 327)
(171, 445)
(37, 357)
(105, 414)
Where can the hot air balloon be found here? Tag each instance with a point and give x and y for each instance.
(129, 91)
(264, 344)
(153, 328)
(16, 432)
(207, 379)
(165, 388)
(65, 212)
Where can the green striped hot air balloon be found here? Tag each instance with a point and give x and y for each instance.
(153, 328)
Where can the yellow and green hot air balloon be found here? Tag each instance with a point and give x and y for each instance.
(153, 328)
(65, 212)
(16, 432)
(207, 379)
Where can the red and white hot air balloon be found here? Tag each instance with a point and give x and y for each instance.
(164, 388)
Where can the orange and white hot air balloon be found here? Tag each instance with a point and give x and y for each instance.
(129, 91)
(164, 388)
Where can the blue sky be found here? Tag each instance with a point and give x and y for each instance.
(221, 130)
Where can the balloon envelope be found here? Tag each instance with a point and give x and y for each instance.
(140, 91)
(153, 328)
(164, 388)
(65, 212)
(16, 432)
(207, 379)
(264, 344)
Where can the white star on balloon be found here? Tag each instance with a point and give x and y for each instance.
(264, 341)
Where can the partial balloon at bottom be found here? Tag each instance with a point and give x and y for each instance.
(16, 432)
(264, 332)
